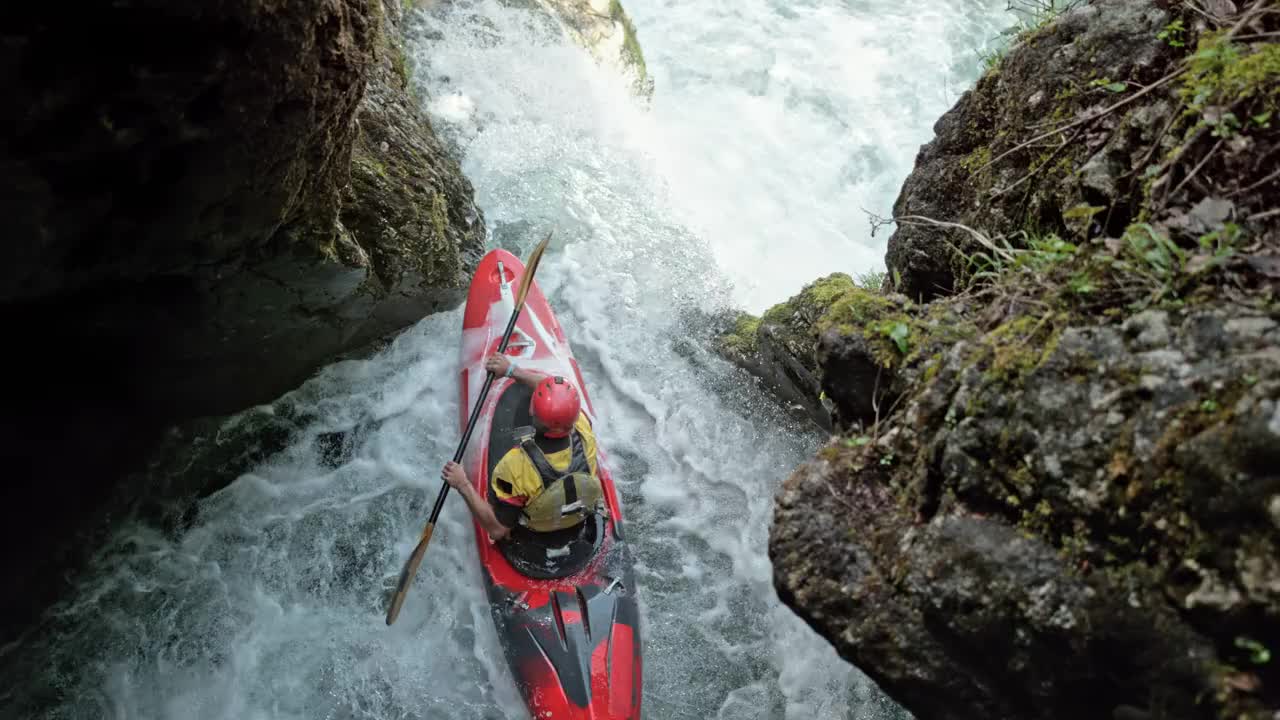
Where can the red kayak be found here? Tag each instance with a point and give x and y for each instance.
(564, 603)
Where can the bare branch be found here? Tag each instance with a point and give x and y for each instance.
(1257, 185)
(1196, 170)
(1036, 171)
(983, 240)
(1086, 120)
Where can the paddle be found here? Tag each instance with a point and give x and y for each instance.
(411, 565)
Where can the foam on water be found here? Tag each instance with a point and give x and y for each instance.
(780, 123)
(773, 125)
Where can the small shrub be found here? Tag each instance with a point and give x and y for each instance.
(1174, 34)
(871, 280)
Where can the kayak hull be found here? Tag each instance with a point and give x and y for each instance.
(572, 642)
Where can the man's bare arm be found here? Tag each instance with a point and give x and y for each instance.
(498, 365)
(480, 508)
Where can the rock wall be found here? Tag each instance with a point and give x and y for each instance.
(1055, 488)
(780, 347)
(205, 203)
(605, 29)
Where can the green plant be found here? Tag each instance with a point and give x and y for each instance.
(1159, 256)
(1037, 13)
(1258, 653)
(1106, 84)
(1221, 244)
(1224, 74)
(1083, 212)
(871, 280)
(1082, 283)
(899, 333)
(1042, 253)
(1226, 125)
(631, 52)
(1151, 261)
(1174, 34)
(1031, 16)
(990, 59)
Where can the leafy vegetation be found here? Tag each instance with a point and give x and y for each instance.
(631, 51)
(1174, 34)
(1031, 16)
(742, 339)
(1225, 78)
(1142, 268)
(871, 280)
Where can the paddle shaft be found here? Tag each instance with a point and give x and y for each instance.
(415, 559)
(411, 566)
(475, 414)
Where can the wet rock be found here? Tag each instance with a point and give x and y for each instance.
(408, 210)
(1150, 329)
(780, 348)
(1070, 507)
(964, 175)
(854, 377)
(205, 204)
(1076, 478)
(605, 29)
(1056, 542)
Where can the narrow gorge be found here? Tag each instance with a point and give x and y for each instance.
(938, 360)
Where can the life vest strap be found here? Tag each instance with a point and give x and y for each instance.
(546, 472)
(568, 496)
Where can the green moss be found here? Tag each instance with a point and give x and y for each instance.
(1020, 347)
(888, 330)
(1224, 73)
(1242, 81)
(932, 368)
(744, 338)
(830, 453)
(815, 297)
(400, 63)
(855, 309)
(631, 52)
(896, 335)
(977, 160)
(440, 215)
(369, 163)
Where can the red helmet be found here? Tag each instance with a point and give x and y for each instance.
(555, 406)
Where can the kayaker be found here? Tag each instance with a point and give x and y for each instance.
(546, 485)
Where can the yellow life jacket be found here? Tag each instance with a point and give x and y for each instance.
(568, 496)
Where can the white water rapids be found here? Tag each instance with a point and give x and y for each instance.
(774, 124)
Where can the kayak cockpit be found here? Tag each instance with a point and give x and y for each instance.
(541, 556)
